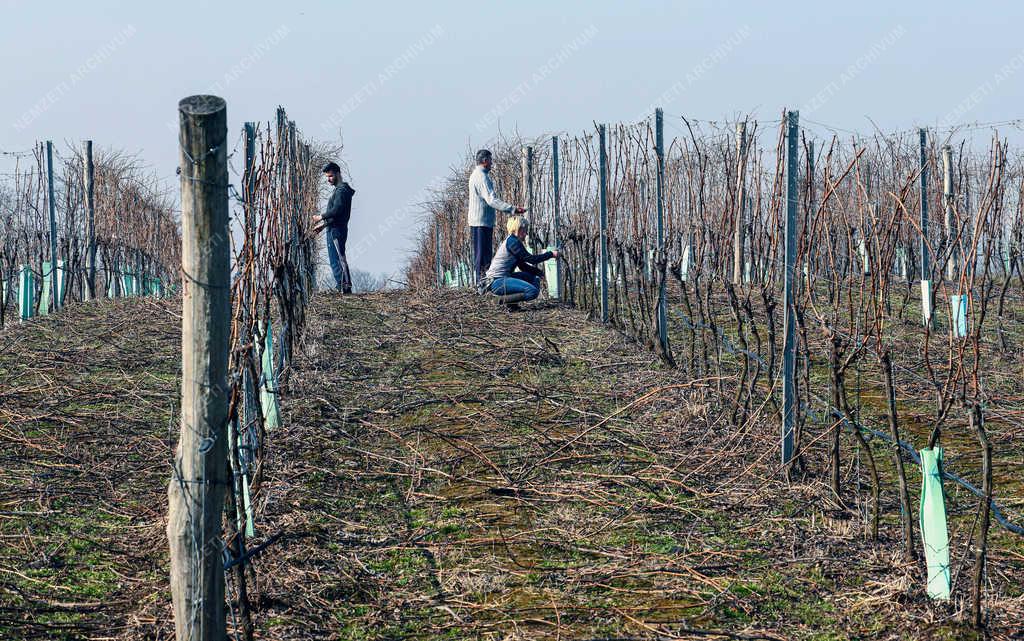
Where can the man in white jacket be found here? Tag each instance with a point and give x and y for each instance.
(482, 204)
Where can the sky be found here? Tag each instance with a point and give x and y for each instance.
(409, 87)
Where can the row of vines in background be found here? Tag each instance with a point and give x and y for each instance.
(134, 232)
(908, 291)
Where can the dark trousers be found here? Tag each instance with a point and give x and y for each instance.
(336, 239)
(483, 249)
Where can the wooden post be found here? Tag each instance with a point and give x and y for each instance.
(293, 188)
(528, 177)
(811, 209)
(603, 182)
(926, 267)
(953, 262)
(437, 252)
(741, 195)
(199, 481)
(527, 174)
(90, 206)
(52, 205)
(789, 341)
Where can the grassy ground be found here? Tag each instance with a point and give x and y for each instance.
(86, 405)
(446, 470)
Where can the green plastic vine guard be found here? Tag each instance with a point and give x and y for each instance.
(865, 259)
(112, 285)
(551, 274)
(901, 261)
(934, 535)
(26, 293)
(44, 296)
(250, 529)
(61, 276)
(153, 287)
(245, 506)
(268, 390)
(464, 275)
(926, 301)
(958, 305)
(131, 284)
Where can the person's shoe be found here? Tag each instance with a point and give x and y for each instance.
(511, 299)
(481, 288)
(346, 291)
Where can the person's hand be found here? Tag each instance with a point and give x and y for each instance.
(317, 218)
(520, 210)
(554, 253)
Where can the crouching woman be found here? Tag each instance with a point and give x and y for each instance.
(513, 277)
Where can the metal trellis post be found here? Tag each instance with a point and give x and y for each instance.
(604, 223)
(90, 206)
(53, 225)
(659, 133)
(789, 343)
(556, 186)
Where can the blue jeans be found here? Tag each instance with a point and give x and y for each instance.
(517, 283)
(483, 249)
(336, 239)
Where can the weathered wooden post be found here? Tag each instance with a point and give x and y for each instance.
(90, 206)
(438, 276)
(527, 177)
(953, 263)
(741, 195)
(52, 205)
(926, 267)
(199, 480)
(789, 341)
(603, 182)
(811, 209)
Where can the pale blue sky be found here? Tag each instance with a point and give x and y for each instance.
(919, 64)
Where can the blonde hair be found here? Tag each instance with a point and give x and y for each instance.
(515, 223)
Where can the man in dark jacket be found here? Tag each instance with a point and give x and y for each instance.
(335, 220)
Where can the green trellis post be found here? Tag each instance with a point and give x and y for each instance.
(789, 399)
(48, 281)
(603, 186)
(555, 289)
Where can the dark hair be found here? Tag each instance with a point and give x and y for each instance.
(332, 166)
(482, 155)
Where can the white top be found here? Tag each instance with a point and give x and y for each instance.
(482, 199)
